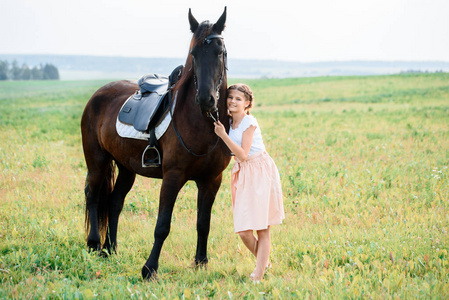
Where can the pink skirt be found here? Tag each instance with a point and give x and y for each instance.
(256, 193)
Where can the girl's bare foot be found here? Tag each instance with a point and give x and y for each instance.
(255, 279)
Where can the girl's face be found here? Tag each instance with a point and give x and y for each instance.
(237, 102)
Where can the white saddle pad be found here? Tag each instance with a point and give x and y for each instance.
(128, 131)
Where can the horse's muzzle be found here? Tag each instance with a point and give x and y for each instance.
(207, 104)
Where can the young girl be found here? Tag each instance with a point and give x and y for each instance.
(255, 182)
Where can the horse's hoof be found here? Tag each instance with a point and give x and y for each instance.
(148, 273)
(108, 250)
(105, 252)
(201, 264)
(93, 247)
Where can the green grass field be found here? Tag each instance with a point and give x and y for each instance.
(364, 168)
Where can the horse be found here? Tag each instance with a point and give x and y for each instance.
(190, 148)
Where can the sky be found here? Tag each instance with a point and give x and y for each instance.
(285, 30)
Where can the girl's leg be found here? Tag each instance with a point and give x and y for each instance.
(263, 253)
(249, 240)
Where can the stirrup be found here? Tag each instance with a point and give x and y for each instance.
(151, 157)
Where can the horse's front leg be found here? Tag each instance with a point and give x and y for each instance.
(207, 190)
(171, 184)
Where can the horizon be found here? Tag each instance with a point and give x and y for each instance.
(246, 59)
(74, 67)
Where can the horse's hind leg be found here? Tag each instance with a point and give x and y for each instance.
(97, 190)
(207, 190)
(99, 185)
(123, 185)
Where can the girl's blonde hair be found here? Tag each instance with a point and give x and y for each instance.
(246, 90)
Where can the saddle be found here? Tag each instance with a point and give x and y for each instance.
(145, 109)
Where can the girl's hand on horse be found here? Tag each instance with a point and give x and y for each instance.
(219, 129)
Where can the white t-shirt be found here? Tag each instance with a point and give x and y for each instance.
(236, 134)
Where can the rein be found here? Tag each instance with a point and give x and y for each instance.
(207, 40)
(179, 136)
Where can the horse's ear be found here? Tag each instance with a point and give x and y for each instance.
(220, 25)
(193, 22)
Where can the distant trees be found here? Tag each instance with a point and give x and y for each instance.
(3, 70)
(15, 72)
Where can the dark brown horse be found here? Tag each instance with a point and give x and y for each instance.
(203, 79)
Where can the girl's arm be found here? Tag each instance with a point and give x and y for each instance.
(247, 139)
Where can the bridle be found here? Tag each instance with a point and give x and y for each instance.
(207, 40)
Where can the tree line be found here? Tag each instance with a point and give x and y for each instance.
(12, 71)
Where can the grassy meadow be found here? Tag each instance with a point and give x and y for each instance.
(364, 167)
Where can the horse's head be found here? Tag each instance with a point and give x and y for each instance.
(208, 54)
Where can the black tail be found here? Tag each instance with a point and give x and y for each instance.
(105, 192)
